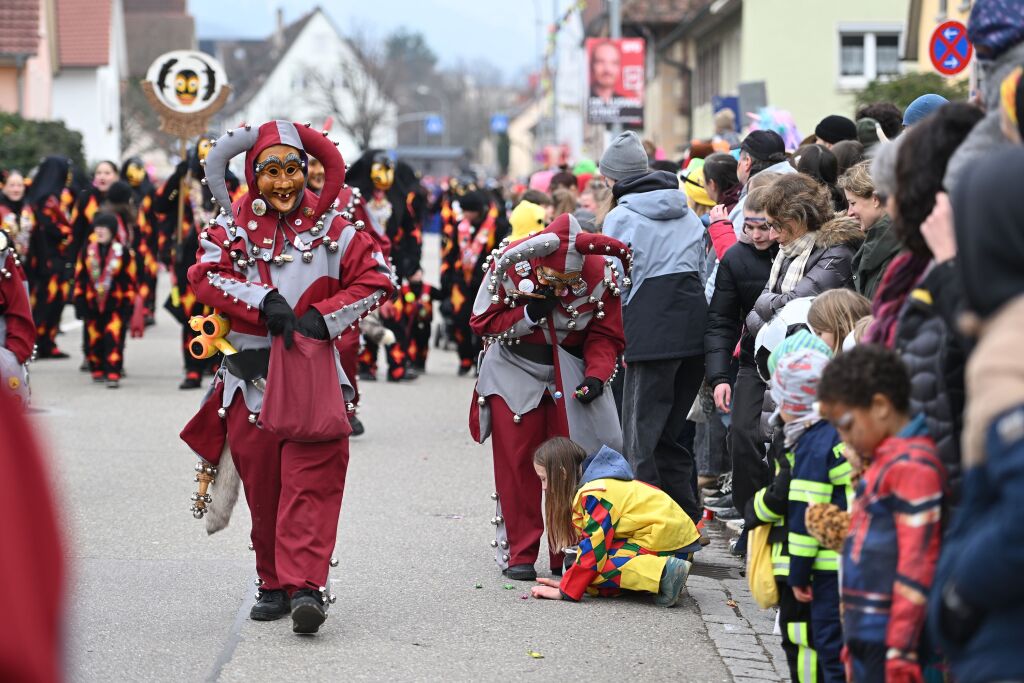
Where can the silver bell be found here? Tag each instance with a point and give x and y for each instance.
(494, 496)
(481, 401)
(251, 547)
(222, 413)
(334, 562)
(494, 544)
(252, 418)
(517, 418)
(504, 545)
(307, 257)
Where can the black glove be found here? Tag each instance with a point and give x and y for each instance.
(81, 310)
(280, 317)
(589, 390)
(313, 325)
(538, 309)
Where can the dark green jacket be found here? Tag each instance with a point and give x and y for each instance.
(871, 260)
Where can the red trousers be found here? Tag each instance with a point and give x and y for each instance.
(517, 484)
(348, 349)
(294, 493)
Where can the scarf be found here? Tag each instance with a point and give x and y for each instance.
(904, 271)
(103, 265)
(796, 253)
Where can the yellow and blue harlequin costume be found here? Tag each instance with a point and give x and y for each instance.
(628, 530)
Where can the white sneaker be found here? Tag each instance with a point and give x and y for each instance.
(735, 525)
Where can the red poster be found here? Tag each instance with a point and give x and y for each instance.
(616, 81)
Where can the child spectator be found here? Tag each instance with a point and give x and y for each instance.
(631, 536)
(105, 289)
(820, 475)
(895, 527)
(834, 315)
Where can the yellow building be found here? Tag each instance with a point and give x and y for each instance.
(809, 58)
(923, 17)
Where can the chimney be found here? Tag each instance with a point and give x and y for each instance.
(279, 30)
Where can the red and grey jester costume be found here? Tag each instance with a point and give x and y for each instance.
(17, 330)
(316, 259)
(530, 368)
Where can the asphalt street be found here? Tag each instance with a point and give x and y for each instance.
(153, 598)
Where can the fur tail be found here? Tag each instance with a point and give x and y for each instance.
(224, 492)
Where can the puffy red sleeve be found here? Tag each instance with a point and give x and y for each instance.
(16, 310)
(605, 340)
(365, 283)
(723, 236)
(217, 283)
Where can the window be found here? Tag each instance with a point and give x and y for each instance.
(866, 55)
(708, 73)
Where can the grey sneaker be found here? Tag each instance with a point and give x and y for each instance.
(673, 582)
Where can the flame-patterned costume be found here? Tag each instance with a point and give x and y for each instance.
(147, 246)
(531, 368)
(466, 245)
(104, 296)
(320, 264)
(50, 262)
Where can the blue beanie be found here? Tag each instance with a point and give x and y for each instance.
(922, 107)
(995, 26)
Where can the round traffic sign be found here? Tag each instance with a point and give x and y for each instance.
(949, 49)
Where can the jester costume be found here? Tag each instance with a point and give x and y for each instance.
(627, 530)
(476, 226)
(49, 258)
(392, 204)
(305, 270)
(550, 313)
(105, 297)
(133, 172)
(17, 331)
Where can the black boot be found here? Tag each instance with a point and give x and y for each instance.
(357, 426)
(308, 611)
(270, 606)
(521, 572)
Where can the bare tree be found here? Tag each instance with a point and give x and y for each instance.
(358, 96)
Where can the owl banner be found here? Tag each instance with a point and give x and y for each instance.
(186, 88)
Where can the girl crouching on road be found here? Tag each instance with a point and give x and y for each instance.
(631, 535)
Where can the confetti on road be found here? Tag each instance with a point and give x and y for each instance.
(731, 603)
(524, 596)
(479, 585)
(509, 587)
(535, 655)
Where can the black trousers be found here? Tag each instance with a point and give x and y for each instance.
(746, 444)
(797, 635)
(657, 396)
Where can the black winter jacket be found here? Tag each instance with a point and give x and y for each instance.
(828, 267)
(935, 357)
(742, 275)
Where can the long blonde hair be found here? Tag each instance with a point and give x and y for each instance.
(837, 311)
(561, 459)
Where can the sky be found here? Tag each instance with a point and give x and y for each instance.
(503, 32)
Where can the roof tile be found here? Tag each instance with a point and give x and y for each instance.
(19, 27)
(83, 32)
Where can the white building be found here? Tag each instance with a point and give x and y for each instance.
(294, 73)
(91, 65)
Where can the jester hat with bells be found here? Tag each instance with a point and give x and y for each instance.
(252, 141)
(558, 253)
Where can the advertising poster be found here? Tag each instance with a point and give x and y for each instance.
(615, 92)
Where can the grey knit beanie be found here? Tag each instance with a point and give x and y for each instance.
(624, 158)
(883, 167)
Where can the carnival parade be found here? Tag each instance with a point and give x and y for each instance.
(451, 340)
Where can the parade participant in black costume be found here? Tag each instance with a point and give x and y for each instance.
(134, 172)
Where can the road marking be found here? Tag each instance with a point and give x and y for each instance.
(234, 635)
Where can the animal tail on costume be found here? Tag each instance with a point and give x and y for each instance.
(225, 494)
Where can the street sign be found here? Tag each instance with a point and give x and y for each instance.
(950, 51)
(499, 123)
(434, 125)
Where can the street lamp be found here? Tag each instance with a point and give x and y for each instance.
(424, 91)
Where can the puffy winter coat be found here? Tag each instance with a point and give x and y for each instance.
(742, 275)
(828, 267)
(873, 257)
(935, 359)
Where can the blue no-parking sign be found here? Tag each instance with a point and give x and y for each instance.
(434, 125)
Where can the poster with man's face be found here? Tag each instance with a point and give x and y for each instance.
(616, 81)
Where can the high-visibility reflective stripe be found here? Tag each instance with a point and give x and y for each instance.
(839, 449)
(806, 491)
(791, 457)
(763, 512)
(802, 546)
(797, 632)
(827, 560)
(807, 665)
(840, 474)
(780, 561)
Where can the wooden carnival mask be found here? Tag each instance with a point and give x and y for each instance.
(280, 177)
